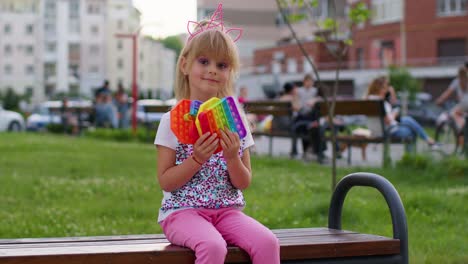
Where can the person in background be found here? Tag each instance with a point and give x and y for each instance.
(307, 121)
(243, 95)
(407, 127)
(203, 200)
(459, 87)
(106, 112)
(69, 119)
(121, 102)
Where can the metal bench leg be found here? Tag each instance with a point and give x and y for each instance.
(270, 147)
(397, 211)
(349, 154)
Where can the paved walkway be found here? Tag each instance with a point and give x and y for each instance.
(282, 147)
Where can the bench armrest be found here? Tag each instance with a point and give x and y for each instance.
(397, 211)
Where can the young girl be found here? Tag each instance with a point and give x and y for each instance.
(203, 201)
(408, 127)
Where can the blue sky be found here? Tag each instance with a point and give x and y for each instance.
(164, 18)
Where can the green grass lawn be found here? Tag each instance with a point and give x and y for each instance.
(54, 186)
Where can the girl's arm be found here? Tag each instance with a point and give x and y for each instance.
(240, 172)
(170, 176)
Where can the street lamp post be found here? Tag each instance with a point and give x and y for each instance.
(134, 38)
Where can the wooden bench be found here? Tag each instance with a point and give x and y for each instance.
(77, 111)
(300, 245)
(277, 109)
(369, 108)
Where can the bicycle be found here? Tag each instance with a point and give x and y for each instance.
(448, 133)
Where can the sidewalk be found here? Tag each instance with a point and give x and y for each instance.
(282, 147)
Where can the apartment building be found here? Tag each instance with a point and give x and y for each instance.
(429, 38)
(20, 53)
(70, 46)
(157, 69)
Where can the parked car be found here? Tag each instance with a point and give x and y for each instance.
(43, 116)
(11, 121)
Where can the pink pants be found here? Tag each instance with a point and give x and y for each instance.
(208, 231)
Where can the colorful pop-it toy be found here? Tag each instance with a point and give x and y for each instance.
(191, 119)
(183, 121)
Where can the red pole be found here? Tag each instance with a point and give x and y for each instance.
(134, 82)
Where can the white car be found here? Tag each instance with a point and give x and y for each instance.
(11, 121)
(42, 116)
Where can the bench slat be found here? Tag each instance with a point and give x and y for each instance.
(307, 243)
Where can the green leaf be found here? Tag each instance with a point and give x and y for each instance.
(329, 23)
(314, 3)
(293, 18)
(359, 13)
(319, 39)
(348, 42)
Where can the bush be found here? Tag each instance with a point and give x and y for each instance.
(401, 80)
(58, 129)
(455, 167)
(121, 135)
(415, 161)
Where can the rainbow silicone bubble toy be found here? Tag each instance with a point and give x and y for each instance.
(191, 119)
(216, 114)
(183, 121)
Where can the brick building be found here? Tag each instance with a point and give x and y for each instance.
(430, 38)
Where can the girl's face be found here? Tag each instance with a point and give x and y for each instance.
(207, 76)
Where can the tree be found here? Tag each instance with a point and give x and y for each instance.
(11, 100)
(173, 43)
(328, 31)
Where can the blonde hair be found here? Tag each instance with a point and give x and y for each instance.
(376, 86)
(215, 44)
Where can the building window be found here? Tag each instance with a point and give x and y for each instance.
(451, 7)
(360, 58)
(29, 29)
(451, 51)
(120, 63)
(74, 9)
(94, 49)
(51, 47)
(29, 69)
(7, 29)
(119, 44)
(120, 24)
(387, 53)
(29, 49)
(386, 11)
(306, 67)
(50, 9)
(94, 69)
(8, 69)
(7, 50)
(292, 65)
(95, 29)
(94, 8)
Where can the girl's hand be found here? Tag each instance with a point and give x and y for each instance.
(205, 147)
(230, 143)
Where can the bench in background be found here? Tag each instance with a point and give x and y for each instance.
(148, 122)
(277, 109)
(368, 108)
(300, 245)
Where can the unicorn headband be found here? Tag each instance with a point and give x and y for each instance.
(216, 21)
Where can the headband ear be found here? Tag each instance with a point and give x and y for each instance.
(216, 21)
(195, 26)
(235, 33)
